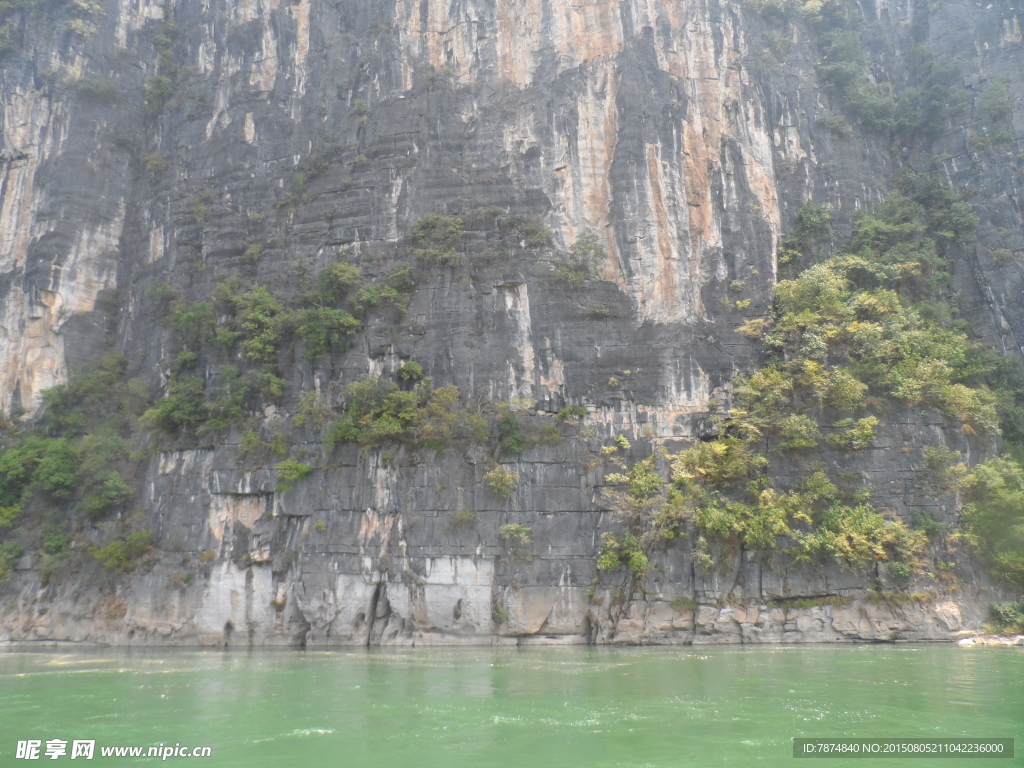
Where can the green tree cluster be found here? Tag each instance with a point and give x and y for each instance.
(379, 411)
(872, 321)
(79, 450)
(73, 463)
(207, 393)
(580, 264)
(438, 239)
(849, 334)
(516, 433)
(919, 111)
(122, 554)
(994, 516)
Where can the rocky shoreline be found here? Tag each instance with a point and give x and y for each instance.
(527, 617)
(989, 641)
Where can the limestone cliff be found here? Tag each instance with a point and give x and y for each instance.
(151, 148)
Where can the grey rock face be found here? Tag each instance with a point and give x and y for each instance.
(666, 130)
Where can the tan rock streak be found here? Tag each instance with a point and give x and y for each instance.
(32, 315)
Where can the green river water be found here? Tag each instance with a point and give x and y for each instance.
(537, 707)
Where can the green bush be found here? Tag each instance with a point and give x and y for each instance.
(848, 325)
(516, 433)
(321, 329)
(98, 452)
(511, 434)
(902, 572)
(837, 124)
(572, 412)
(715, 464)
(530, 229)
(8, 515)
(107, 496)
(17, 468)
(121, 555)
(842, 60)
(56, 473)
(162, 295)
(643, 482)
(259, 315)
(289, 473)
(194, 324)
(257, 326)
(438, 239)
(716, 485)
(97, 90)
(227, 394)
(1007, 617)
(913, 114)
(854, 435)
(516, 536)
(580, 264)
(994, 516)
(155, 163)
(502, 481)
(411, 372)
(378, 412)
(158, 92)
(394, 291)
(623, 551)
(931, 527)
(365, 404)
(314, 409)
(10, 553)
(923, 109)
(464, 518)
(70, 458)
(798, 431)
(336, 282)
(995, 103)
(184, 407)
(54, 539)
(860, 535)
(100, 395)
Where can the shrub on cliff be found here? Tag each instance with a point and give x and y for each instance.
(437, 239)
(516, 433)
(320, 329)
(580, 264)
(378, 411)
(1008, 617)
(121, 555)
(257, 326)
(517, 538)
(289, 473)
(994, 516)
(852, 331)
(10, 552)
(853, 325)
(501, 481)
(73, 459)
(184, 406)
(625, 550)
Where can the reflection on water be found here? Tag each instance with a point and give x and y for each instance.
(511, 707)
